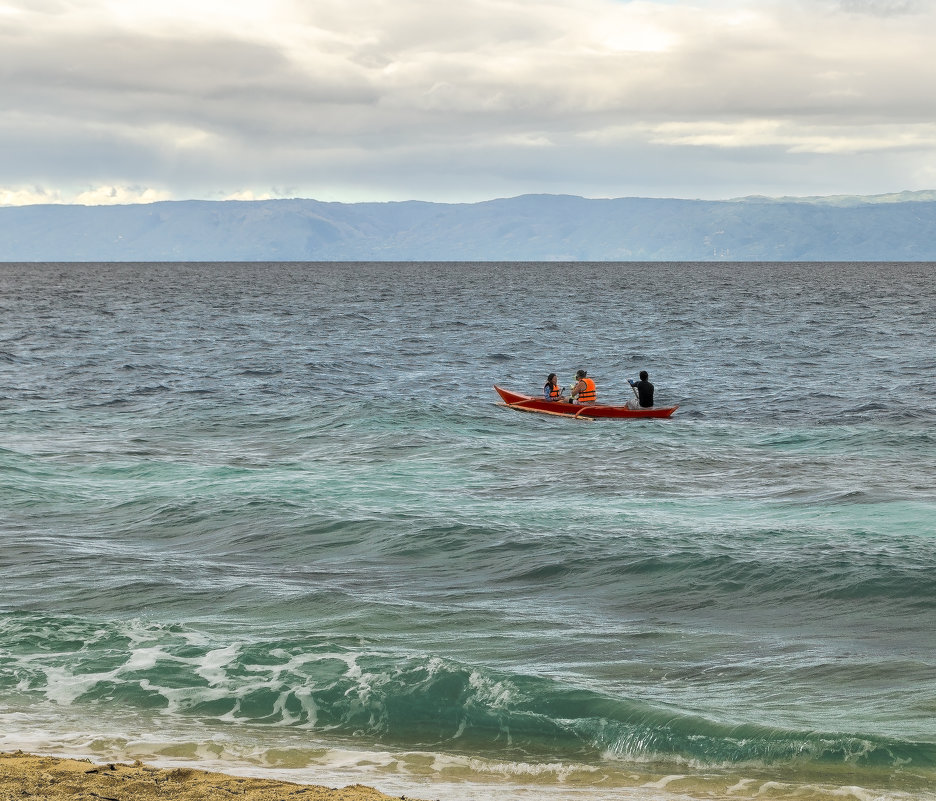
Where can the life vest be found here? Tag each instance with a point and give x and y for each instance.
(588, 394)
(551, 393)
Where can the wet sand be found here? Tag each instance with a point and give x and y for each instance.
(28, 776)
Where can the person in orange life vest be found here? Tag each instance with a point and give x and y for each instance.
(551, 389)
(584, 390)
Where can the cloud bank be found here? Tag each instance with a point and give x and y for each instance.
(121, 101)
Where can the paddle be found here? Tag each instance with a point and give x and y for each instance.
(518, 405)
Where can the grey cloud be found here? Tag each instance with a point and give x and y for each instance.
(454, 169)
(444, 102)
(138, 79)
(233, 86)
(881, 8)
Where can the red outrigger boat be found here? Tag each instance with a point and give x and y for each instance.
(526, 403)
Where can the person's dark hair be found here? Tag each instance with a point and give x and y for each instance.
(550, 378)
(643, 375)
(581, 374)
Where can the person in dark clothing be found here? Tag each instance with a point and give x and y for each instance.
(644, 390)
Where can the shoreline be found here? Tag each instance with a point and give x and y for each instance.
(24, 775)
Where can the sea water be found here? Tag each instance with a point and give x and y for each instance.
(270, 519)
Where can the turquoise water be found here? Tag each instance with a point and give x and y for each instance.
(270, 518)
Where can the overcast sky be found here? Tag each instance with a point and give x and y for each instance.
(105, 101)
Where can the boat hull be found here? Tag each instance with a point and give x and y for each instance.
(527, 403)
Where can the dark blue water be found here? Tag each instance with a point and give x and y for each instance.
(270, 518)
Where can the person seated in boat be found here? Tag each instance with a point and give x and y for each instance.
(644, 390)
(551, 389)
(583, 392)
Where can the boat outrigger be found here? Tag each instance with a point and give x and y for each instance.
(527, 403)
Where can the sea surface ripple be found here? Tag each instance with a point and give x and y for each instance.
(270, 517)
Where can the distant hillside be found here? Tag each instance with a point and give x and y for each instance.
(847, 200)
(900, 227)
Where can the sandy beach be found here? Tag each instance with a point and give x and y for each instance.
(30, 776)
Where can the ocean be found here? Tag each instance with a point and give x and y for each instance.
(270, 519)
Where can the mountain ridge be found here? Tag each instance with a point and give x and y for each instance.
(540, 227)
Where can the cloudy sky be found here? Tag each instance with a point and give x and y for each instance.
(117, 101)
